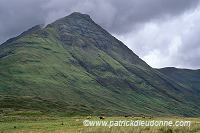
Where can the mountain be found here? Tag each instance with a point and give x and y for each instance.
(75, 66)
(189, 79)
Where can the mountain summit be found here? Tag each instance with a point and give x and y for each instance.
(73, 65)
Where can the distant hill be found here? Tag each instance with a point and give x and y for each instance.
(189, 79)
(73, 65)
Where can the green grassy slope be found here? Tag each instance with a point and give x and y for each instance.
(75, 61)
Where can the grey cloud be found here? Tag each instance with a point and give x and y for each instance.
(189, 52)
(17, 16)
(130, 14)
(116, 16)
(171, 43)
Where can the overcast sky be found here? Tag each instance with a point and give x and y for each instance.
(161, 32)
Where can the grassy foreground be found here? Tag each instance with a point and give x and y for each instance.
(33, 122)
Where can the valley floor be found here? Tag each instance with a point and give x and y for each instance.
(51, 124)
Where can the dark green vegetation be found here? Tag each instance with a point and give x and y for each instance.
(74, 66)
(189, 79)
